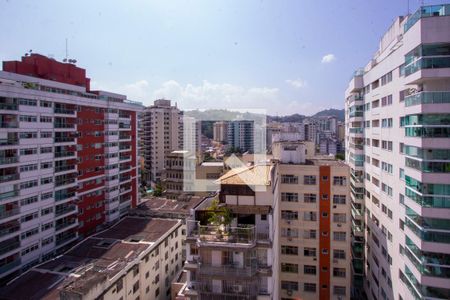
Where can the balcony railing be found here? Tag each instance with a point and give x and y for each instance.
(8, 160)
(427, 98)
(64, 125)
(65, 210)
(64, 139)
(227, 270)
(11, 265)
(231, 235)
(64, 111)
(12, 124)
(9, 246)
(64, 168)
(9, 141)
(9, 213)
(65, 225)
(9, 106)
(427, 11)
(64, 154)
(9, 177)
(61, 239)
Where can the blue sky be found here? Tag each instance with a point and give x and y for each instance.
(284, 56)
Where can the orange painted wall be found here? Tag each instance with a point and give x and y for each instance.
(324, 227)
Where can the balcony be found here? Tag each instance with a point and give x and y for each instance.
(9, 228)
(59, 211)
(9, 213)
(9, 160)
(64, 139)
(10, 266)
(64, 168)
(9, 106)
(427, 98)
(61, 154)
(10, 141)
(64, 125)
(65, 238)
(64, 111)
(9, 177)
(427, 11)
(66, 224)
(231, 271)
(9, 194)
(9, 245)
(231, 237)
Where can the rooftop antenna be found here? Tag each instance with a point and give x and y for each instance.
(67, 59)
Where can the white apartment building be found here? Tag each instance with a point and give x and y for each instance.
(398, 148)
(161, 134)
(68, 159)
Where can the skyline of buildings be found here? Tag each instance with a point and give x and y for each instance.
(103, 198)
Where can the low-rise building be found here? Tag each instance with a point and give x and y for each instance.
(135, 259)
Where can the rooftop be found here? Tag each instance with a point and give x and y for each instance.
(167, 208)
(93, 261)
(253, 175)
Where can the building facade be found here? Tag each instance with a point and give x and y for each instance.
(68, 158)
(220, 131)
(136, 258)
(397, 145)
(312, 197)
(241, 135)
(161, 134)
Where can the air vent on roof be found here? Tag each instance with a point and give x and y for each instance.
(105, 243)
(135, 239)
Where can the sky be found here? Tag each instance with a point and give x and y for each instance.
(283, 56)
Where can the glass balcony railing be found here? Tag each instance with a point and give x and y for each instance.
(356, 130)
(427, 63)
(428, 263)
(434, 201)
(427, 132)
(9, 177)
(9, 266)
(428, 235)
(427, 11)
(427, 98)
(8, 160)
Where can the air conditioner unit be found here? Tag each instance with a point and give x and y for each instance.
(314, 259)
(289, 292)
(339, 225)
(334, 206)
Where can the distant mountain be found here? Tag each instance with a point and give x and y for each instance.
(338, 113)
(292, 118)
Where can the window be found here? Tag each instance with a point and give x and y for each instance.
(289, 215)
(46, 119)
(46, 180)
(29, 200)
(28, 151)
(46, 211)
(289, 250)
(339, 199)
(289, 179)
(339, 272)
(310, 216)
(30, 119)
(46, 165)
(309, 270)
(28, 168)
(339, 236)
(289, 268)
(28, 184)
(28, 135)
(309, 180)
(310, 234)
(338, 254)
(289, 285)
(46, 150)
(309, 287)
(28, 102)
(339, 218)
(136, 287)
(309, 198)
(386, 167)
(45, 103)
(309, 252)
(324, 196)
(339, 290)
(46, 134)
(289, 197)
(339, 180)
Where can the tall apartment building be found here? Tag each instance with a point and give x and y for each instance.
(397, 125)
(220, 131)
(68, 159)
(241, 135)
(289, 237)
(312, 202)
(161, 134)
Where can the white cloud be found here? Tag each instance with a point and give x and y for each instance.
(328, 58)
(208, 95)
(297, 83)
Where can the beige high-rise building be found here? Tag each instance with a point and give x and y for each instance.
(161, 134)
(220, 131)
(288, 237)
